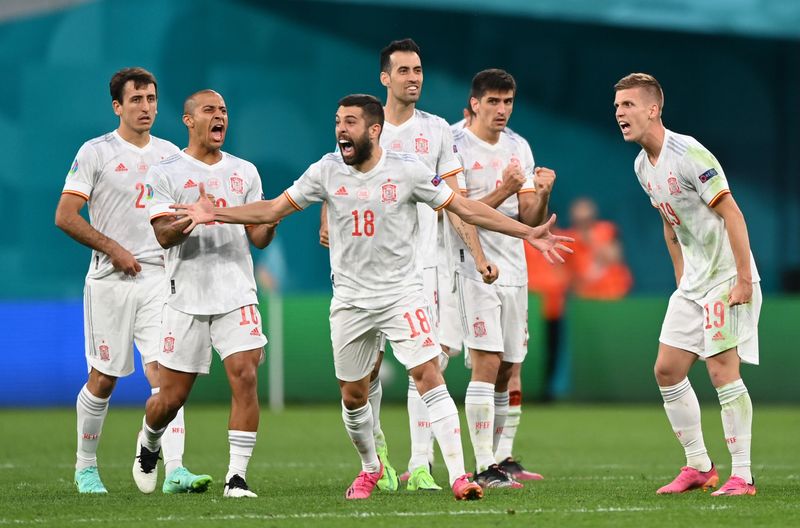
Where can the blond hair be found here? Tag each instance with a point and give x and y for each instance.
(646, 81)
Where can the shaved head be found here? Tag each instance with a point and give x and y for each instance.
(190, 104)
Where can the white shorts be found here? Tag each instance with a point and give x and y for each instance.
(451, 331)
(709, 326)
(494, 318)
(119, 311)
(187, 339)
(356, 336)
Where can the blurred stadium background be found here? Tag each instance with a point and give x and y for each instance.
(730, 70)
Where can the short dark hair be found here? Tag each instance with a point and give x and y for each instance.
(369, 104)
(140, 77)
(492, 80)
(645, 81)
(397, 45)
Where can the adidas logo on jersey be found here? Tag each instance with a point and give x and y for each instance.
(341, 191)
(121, 168)
(255, 332)
(428, 342)
(718, 337)
(189, 184)
(477, 166)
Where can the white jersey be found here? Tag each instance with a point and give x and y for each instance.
(373, 223)
(429, 137)
(110, 174)
(483, 173)
(685, 183)
(211, 272)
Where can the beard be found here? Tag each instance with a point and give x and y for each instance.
(362, 151)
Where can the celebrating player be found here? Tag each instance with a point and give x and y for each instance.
(713, 315)
(211, 298)
(372, 197)
(123, 294)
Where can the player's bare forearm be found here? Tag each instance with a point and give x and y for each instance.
(533, 208)
(69, 220)
(263, 212)
(496, 197)
(480, 214)
(674, 249)
(167, 233)
(737, 234)
(465, 231)
(261, 235)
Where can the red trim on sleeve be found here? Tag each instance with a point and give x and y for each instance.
(718, 197)
(294, 204)
(523, 191)
(452, 173)
(446, 203)
(76, 193)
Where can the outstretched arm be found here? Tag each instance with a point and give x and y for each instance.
(261, 212)
(540, 237)
(736, 227)
(69, 220)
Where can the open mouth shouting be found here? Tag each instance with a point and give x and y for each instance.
(217, 132)
(347, 147)
(625, 127)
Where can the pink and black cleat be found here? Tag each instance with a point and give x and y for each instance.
(735, 486)
(362, 486)
(463, 489)
(690, 479)
(516, 471)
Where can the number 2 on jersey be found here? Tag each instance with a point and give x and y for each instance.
(367, 225)
(145, 192)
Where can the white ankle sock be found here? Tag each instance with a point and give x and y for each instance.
(151, 438)
(375, 397)
(446, 428)
(479, 406)
(505, 448)
(500, 417)
(420, 426)
(737, 422)
(683, 411)
(241, 449)
(91, 412)
(358, 423)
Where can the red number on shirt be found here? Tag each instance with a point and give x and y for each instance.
(253, 315)
(219, 202)
(141, 188)
(669, 212)
(719, 314)
(422, 318)
(368, 224)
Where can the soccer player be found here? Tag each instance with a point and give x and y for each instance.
(211, 298)
(499, 171)
(372, 197)
(122, 294)
(713, 315)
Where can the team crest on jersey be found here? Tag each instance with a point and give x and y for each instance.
(237, 185)
(388, 193)
(213, 183)
(396, 145)
(363, 194)
(74, 168)
(421, 145)
(674, 188)
(169, 344)
(104, 355)
(479, 328)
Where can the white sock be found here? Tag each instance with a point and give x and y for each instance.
(91, 412)
(683, 411)
(737, 422)
(173, 441)
(358, 423)
(151, 438)
(479, 406)
(505, 448)
(420, 426)
(446, 428)
(375, 397)
(241, 448)
(500, 416)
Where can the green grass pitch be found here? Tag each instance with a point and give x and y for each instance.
(602, 465)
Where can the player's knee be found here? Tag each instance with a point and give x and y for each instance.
(101, 385)
(354, 400)
(666, 374)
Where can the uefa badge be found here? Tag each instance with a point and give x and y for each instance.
(169, 344)
(237, 185)
(388, 193)
(104, 355)
(674, 188)
(421, 145)
(479, 328)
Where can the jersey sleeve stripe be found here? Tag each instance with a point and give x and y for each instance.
(294, 204)
(76, 193)
(446, 203)
(523, 191)
(718, 197)
(452, 173)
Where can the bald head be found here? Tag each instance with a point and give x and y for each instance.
(191, 102)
